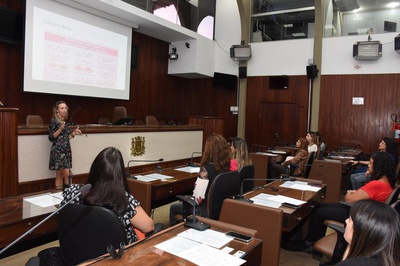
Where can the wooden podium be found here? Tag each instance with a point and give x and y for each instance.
(8, 152)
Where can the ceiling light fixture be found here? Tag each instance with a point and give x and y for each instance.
(173, 55)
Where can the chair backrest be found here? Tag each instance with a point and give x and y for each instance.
(394, 196)
(34, 120)
(398, 171)
(85, 232)
(118, 113)
(223, 186)
(247, 172)
(309, 162)
(321, 151)
(151, 120)
(139, 122)
(396, 206)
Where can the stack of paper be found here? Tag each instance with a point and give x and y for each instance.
(201, 248)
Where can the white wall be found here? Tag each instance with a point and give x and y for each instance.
(280, 57)
(34, 150)
(206, 56)
(337, 56)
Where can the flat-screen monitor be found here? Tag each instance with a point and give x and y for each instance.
(389, 26)
(72, 52)
(125, 121)
(11, 26)
(224, 81)
(278, 82)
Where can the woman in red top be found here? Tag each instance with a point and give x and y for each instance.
(383, 180)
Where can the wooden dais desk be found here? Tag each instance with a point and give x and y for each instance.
(157, 193)
(18, 215)
(292, 217)
(144, 252)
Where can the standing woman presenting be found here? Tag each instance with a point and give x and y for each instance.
(60, 134)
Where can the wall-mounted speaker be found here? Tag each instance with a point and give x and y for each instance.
(242, 72)
(312, 71)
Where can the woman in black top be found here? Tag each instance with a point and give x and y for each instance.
(373, 234)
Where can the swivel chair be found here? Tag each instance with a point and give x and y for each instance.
(34, 120)
(247, 172)
(151, 120)
(118, 113)
(223, 186)
(85, 232)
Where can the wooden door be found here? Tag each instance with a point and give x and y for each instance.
(277, 123)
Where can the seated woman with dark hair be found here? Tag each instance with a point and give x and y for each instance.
(373, 235)
(296, 163)
(379, 188)
(215, 160)
(110, 190)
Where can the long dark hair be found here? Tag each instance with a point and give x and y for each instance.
(108, 178)
(383, 165)
(376, 232)
(216, 151)
(391, 147)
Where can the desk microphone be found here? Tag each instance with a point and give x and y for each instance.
(193, 222)
(74, 112)
(242, 198)
(82, 191)
(191, 160)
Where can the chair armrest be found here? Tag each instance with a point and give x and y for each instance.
(346, 203)
(339, 229)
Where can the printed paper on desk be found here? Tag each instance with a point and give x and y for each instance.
(189, 169)
(200, 188)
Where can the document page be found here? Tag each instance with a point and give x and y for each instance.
(191, 245)
(299, 185)
(275, 198)
(209, 237)
(159, 176)
(44, 200)
(188, 169)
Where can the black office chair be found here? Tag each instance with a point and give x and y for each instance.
(309, 162)
(247, 172)
(85, 232)
(223, 186)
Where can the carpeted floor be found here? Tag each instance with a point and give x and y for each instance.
(161, 215)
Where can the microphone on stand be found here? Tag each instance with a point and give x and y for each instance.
(82, 191)
(191, 160)
(142, 161)
(242, 198)
(74, 112)
(192, 221)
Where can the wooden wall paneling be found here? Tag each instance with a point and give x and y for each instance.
(341, 122)
(258, 91)
(8, 152)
